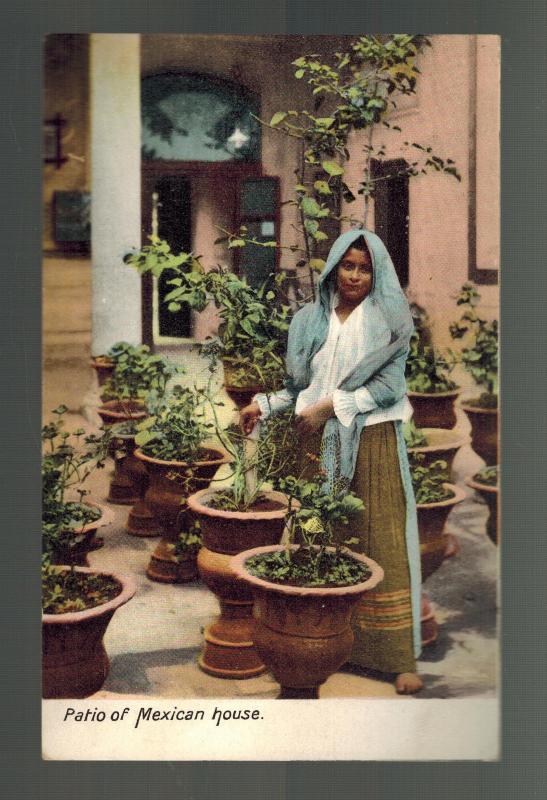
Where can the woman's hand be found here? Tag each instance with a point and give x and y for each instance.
(313, 418)
(248, 417)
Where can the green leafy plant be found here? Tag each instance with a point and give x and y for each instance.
(252, 333)
(427, 482)
(480, 354)
(65, 590)
(67, 461)
(427, 370)
(138, 374)
(488, 475)
(176, 428)
(320, 559)
(188, 542)
(414, 437)
(356, 90)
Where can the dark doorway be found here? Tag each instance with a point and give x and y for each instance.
(391, 207)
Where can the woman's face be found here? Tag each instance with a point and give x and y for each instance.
(354, 276)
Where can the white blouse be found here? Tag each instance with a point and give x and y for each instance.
(346, 343)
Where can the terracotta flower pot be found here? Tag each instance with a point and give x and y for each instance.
(303, 635)
(229, 651)
(74, 660)
(166, 567)
(431, 522)
(490, 495)
(77, 553)
(171, 481)
(115, 411)
(103, 367)
(434, 409)
(240, 395)
(484, 432)
(130, 479)
(442, 444)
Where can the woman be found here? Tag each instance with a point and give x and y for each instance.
(346, 359)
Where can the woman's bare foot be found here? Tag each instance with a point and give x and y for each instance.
(408, 683)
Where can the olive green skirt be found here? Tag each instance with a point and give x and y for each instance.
(382, 621)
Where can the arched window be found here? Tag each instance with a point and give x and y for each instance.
(187, 117)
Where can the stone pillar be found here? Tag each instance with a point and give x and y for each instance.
(115, 187)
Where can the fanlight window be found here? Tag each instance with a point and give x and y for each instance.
(196, 118)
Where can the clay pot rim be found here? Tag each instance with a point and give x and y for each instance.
(479, 409)
(459, 494)
(93, 361)
(450, 393)
(194, 502)
(224, 458)
(121, 415)
(458, 441)
(129, 587)
(106, 518)
(481, 487)
(237, 564)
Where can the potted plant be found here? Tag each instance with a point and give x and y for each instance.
(105, 364)
(431, 391)
(176, 561)
(70, 525)
(242, 514)
(171, 445)
(480, 359)
(252, 332)
(433, 443)
(78, 605)
(305, 592)
(486, 483)
(138, 377)
(435, 499)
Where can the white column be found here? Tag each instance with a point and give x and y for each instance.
(115, 187)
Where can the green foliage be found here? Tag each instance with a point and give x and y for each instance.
(427, 482)
(176, 428)
(480, 355)
(138, 373)
(414, 437)
(253, 329)
(355, 90)
(67, 461)
(65, 590)
(188, 542)
(313, 513)
(488, 475)
(427, 369)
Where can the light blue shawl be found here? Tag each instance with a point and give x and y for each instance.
(382, 371)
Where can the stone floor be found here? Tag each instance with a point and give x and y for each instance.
(154, 641)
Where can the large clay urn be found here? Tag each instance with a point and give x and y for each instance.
(83, 539)
(240, 395)
(228, 650)
(441, 444)
(303, 635)
(170, 483)
(490, 495)
(74, 659)
(484, 432)
(128, 482)
(434, 409)
(431, 523)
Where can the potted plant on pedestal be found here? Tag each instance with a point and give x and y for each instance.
(138, 376)
(435, 499)
(71, 524)
(480, 359)
(171, 445)
(233, 518)
(104, 365)
(252, 332)
(78, 605)
(431, 391)
(433, 443)
(486, 483)
(305, 593)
